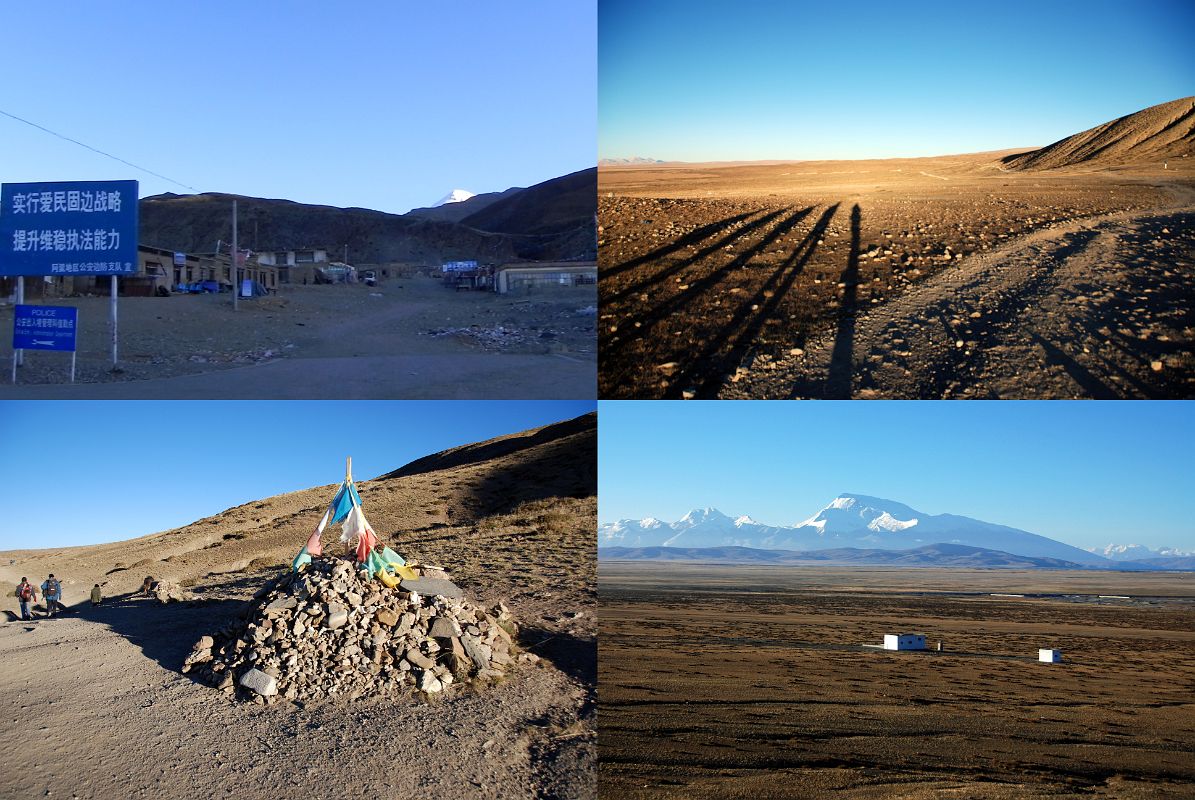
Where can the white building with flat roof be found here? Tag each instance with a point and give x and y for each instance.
(904, 641)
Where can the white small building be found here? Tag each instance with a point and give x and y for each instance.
(1049, 656)
(904, 641)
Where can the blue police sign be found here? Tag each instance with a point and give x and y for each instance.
(77, 228)
(44, 328)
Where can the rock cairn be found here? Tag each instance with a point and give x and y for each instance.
(169, 592)
(332, 630)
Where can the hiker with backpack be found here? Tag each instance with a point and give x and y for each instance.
(52, 591)
(26, 592)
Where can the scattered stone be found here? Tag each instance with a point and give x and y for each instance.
(302, 638)
(167, 592)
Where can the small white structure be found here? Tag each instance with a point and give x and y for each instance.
(904, 641)
(1049, 656)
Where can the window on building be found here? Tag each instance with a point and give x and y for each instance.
(304, 256)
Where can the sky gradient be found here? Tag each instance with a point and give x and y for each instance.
(376, 104)
(803, 80)
(76, 473)
(1085, 473)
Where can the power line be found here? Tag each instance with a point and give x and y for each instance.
(94, 150)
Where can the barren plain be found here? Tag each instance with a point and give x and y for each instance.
(747, 682)
(406, 338)
(902, 278)
(94, 702)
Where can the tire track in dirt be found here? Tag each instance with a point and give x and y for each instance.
(1097, 308)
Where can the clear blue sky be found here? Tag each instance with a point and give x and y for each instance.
(384, 105)
(723, 80)
(1085, 473)
(87, 472)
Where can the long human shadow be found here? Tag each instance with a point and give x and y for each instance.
(692, 237)
(838, 379)
(1089, 383)
(164, 632)
(700, 254)
(749, 323)
(674, 305)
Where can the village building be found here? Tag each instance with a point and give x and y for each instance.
(295, 266)
(904, 641)
(521, 278)
(158, 271)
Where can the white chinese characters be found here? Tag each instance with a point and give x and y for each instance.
(84, 201)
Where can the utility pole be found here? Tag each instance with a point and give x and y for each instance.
(233, 263)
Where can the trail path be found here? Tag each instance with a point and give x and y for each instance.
(96, 707)
(1095, 308)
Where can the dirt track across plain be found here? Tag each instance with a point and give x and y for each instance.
(918, 278)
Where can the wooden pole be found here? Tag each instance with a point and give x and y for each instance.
(236, 290)
(348, 470)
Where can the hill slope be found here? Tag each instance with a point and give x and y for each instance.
(430, 511)
(553, 220)
(1156, 133)
(194, 223)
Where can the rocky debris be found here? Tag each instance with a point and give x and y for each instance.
(330, 630)
(497, 337)
(168, 592)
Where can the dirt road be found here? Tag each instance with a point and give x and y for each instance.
(409, 338)
(860, 279)
(1095, 308)
(97, 707)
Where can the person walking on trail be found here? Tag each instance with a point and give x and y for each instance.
(26, 593)
(52, 591)
(96, 595)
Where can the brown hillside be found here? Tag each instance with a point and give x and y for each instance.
(1157, 133)
(437, 509)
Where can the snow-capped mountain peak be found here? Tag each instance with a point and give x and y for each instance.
(455, 196)
(850, 513)
(1132, 552)
(699, 516)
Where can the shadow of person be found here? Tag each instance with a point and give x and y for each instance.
(575, 656)
(839, 379)
(165, 632)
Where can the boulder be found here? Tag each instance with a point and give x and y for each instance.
(257, 681)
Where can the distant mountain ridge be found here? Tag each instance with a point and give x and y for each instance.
(618, 162)
(855, 522)
(1157, 133)
(552, 222)
(935, 555)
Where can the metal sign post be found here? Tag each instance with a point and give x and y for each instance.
(18, 355)
(113, 315)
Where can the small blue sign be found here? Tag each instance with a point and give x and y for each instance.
(76, 228)
(44, 328)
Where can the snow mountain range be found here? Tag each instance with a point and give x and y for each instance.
(849, 521)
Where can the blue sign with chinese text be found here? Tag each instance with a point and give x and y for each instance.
(44, 328)
(76, 228)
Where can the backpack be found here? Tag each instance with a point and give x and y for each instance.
(53, 587)
(25, 591)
